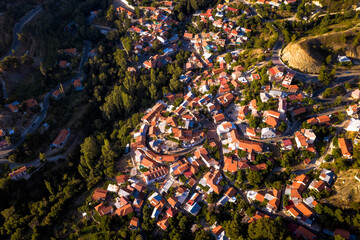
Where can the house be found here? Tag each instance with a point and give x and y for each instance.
(78, 85)
(57, 94)
(268, 133)
(309, 134)
(13, 108)
(323, 119)
(171, 212)
(275, 73)
(18, 173)
(134, 223)
(300, 140)
(345, 147)
(218, 118)
(103, 210)
(298, 111)
(218, 232)
(255, 76)
(251, 133)
(286, 144)
(64, 64)
(124, 210)
(318, 185)
(163, 223)
(155, 174)
(99, 195)
(70, 51)
(173, 201)
(301, 232)
(356, 94)
(352, 109)
(121, 179)
(61, 139)
(30, 103)
(226, 99)
(243, 111)
(213, 180)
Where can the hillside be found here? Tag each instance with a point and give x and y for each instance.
(6, 25)
(308, 54)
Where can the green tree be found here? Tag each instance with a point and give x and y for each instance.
(338, 100)
(181, 16)
(42, 157)
(153, 92)
(327, 93)
(265, 228)
(328, 59)
(228, 58)
(110, 14)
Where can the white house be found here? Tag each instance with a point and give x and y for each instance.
(268, 133)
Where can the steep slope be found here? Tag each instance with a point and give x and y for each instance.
(308, 54)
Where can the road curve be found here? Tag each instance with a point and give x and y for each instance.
(18, 27)
(15, 43)
(42, 115)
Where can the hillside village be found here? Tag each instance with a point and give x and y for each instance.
(190, 147)
(249, 138)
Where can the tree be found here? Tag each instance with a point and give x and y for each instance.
(9, 63)
(181, 16)
(327, 93)
(137, 12)
(338, 100)
(153, 92)
(110, 14)
(255, 178)
(42, 157)
(228, 58)
(202, 235)
(90, 150)
(265, 228)
(328, 59)
(282, 127)
(26, 60)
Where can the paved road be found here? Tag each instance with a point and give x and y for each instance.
(15, 43)
(42, 115)
(18, 27)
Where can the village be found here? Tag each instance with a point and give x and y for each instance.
(216, 142)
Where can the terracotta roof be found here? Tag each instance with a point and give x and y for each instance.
(302, 232)
(345, 147)
(323, 119)
(62, 136)
(163, 223)
(304, 210)
(31, 103)
(124, 210)
(342, 232)
(217, 230)
(294, 211)
(299, 111)
(17, 172)
(134, 222)
(271, 121)
(99, 194)
(103, 210)
(121, 179)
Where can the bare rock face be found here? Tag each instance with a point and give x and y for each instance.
(303, 57)
(308, 54)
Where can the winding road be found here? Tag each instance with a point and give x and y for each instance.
(16, 42)
(42, 115)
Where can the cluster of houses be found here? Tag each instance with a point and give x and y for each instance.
(169, 150)
(300, 207)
